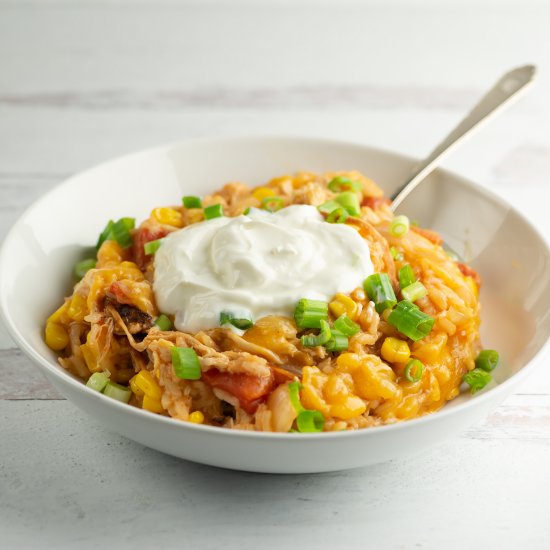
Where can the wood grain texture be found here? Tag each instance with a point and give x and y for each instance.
(81, 476)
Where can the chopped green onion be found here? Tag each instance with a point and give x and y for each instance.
(350, 202)
(214, 211)
(81, 268)
(294, 393)
(477, 379)
(337, 342)
(341, 183)
(312, 341)
(310, 421)
(118, 231)
(164, 323)
(406, 276)
(242, 323)
(118, 392)
(309, 313)
(152, 246)
(186, 363)
(190, 201)
(272, 204)
(98, 381)
(328, 207)
(410, 321)
(413, 370)
(338, 215)
(487, 360)
(396, 254)
(414, 292)
(105, 234)
(346, 326)
(379, 290)
(399, 226)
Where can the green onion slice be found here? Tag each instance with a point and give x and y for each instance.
(338, 215)
(399, 226)
(396, 254)
(214, 211)
(309, 313)
(294, 392)
(164, 323)
(350, 202)
(242, 323)
(346, 326)
(337, 342)
(328, 207)
(190, 201)
(98, 381)
(487, 360)
(82, 267)
(414, 291)
(312, 341)
(186, 363)
(406, 276)
(341, 183)
(379, 290)
(408, 319)
(413, 370)
(272, 204)
(310, 421)
(477, 379)
(118, 231)
(118, 392)
(152, 246)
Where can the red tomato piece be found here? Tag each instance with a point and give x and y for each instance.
(144, 235)
(250, 390)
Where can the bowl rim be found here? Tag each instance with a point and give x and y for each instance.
(65, 378)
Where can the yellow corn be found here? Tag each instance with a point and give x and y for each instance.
(78, 308)
(168, 216)
(395, 350)
(145, 381)
(136, 390)
(109, 253)
(153, 405)
(263, 193)
(60, 315)
(196, 417)
(56, 336)
(343, 304)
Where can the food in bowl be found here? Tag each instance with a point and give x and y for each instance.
(300, 305)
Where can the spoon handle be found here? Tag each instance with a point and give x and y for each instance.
(498, 97)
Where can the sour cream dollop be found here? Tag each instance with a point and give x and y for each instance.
(256, 265)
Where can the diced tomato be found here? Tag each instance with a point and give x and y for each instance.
(375, 202)
(144, 235)
(432, 236)
(250, 390)
(468, 271)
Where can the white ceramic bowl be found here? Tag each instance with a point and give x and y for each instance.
(38, 255)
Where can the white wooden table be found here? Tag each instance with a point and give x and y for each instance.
(84, 82)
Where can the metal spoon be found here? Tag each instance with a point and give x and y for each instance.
(501, 95)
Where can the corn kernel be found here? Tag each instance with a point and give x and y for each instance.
(145, 381)
(60, 315)
(152, 405)
(56, 336)
(78, 308)
(343, 304)
(395, 350)
(136, 390)
(353, 406)
(196, 417)
(263, 193)
(168, 216)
